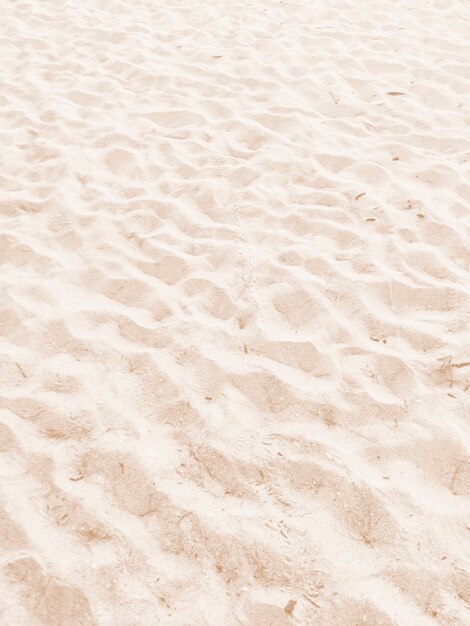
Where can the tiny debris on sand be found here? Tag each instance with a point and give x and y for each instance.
(290, 606)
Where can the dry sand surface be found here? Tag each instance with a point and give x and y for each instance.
(235, 261)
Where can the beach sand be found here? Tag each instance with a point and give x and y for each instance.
(235, 352)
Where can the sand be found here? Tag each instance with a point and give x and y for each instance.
(235, 350)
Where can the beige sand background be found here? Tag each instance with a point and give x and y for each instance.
(234, 313)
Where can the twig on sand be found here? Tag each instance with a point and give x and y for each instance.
(21, 369)
(311, 601)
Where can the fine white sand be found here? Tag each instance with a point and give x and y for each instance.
(235, 352)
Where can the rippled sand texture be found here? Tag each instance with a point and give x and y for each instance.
(235, 313)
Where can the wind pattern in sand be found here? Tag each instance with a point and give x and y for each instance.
(235, 349)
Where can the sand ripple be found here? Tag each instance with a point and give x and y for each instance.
(234, 366)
